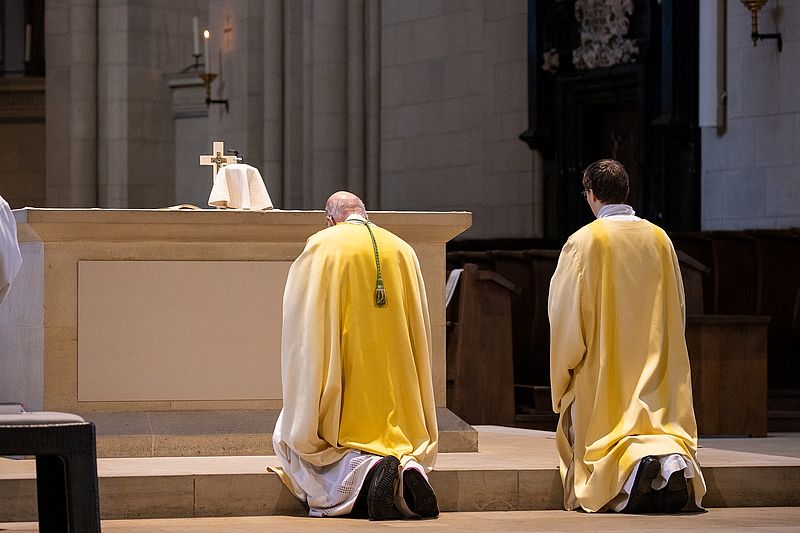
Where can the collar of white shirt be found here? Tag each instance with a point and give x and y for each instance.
(618, 212)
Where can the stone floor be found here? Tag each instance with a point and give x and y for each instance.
(773, 519)
(515, 471)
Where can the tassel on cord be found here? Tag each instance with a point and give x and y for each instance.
(380, 292)
(380, 295)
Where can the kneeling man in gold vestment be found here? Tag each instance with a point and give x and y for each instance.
(619, 369)
(357, 435)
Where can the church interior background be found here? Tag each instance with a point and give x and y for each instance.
(487, 106)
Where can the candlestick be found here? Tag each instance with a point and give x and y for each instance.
(27, 43)
(196, 36)
(206, 57)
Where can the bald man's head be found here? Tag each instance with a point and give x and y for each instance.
(342, 204)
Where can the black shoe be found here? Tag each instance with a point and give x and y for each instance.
(641, 499)
(419, 495)
(675, 495)
(380, 501)
(360, 506)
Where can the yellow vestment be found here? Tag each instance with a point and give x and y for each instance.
(619, 367)
(356, 376)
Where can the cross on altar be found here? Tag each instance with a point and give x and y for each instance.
(218, 159)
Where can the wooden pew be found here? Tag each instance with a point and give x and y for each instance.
(693, 274)
(778, 281)
(728, 357)
(735, 273)
(698, 246)
(480, 380)
(530, 271)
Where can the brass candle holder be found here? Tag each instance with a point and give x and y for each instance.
(207, 78)
(754, 6)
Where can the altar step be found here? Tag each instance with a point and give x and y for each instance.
(514, 470)
(222, 433)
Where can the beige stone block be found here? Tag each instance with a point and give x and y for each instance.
(57, 49)
(112, 46)
(244, 495)
(124, 445)
(329, 40)
(61, 294)
(458, 113)
(460, 27)
(82, 18)
(204, 405)
(395, 42)
(19, 500)
(752, 486)
(431, 38)
(126, 407)
(60, 368)
(21, 358)
(56, 21)
(83, 47)
(179, 359)
(330, 131)
(329, 88)
(462, 490)
(112, 83)
(211, 445)
(146, 497)
(397, 12)
(540, 490)
(424, 81)
(455, 435)
(508, 9)
(457, 76)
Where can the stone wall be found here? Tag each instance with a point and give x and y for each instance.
(453, 100)
(138, 43)
(71, 103)
(750, 172)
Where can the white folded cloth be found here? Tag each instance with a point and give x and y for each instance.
(239, 186)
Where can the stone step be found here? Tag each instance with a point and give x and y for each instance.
(222, 433)
(514, 470)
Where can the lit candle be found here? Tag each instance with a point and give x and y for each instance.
(206, 57)
(196, 35)
(27, 43)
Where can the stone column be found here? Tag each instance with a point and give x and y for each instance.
(331, 100)
(372, 103)
(273, 91)
(192, 183)
(237, 55)
(71, 103)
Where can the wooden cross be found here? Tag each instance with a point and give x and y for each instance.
(218, 159)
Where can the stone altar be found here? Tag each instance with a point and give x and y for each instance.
(167, 315)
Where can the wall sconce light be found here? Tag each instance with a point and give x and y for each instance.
(754, 6)
(207, 76)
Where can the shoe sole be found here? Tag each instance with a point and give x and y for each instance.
(424, 504)
(381, 492)
(676, 493)
(641, 498)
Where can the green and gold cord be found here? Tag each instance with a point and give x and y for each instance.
(380, 292)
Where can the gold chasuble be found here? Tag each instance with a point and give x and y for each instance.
(619, 367)
(356, 372)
